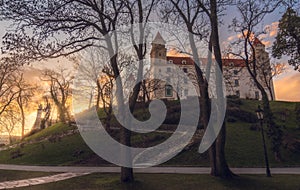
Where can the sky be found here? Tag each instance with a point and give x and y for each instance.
(286, 86)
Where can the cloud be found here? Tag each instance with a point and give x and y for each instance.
(267, 43)
(287, 87)
(231, 38)
(272, 29)
(175, 53)
(239, 36)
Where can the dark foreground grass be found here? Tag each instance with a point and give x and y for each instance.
(10, 175)
(175, 182)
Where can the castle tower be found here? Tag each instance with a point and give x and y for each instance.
(158, 51)
(263, 65)
(158, 57)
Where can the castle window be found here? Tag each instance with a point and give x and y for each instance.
(237, 93)
(186, 92)
(256, 95)
(168, 91)
(185, 80)
(235, 72)
(159, 54)
(184, 62)
(170, 61)
(185, 70)
(236, 82)
(231, 64)
(168, 69)
(168, 80)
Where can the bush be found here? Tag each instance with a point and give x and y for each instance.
(242, 115)
(231, 120)
(234, 102)
(254, 127)
(16, 154)
(172, 118)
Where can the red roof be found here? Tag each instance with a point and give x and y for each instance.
(189, 61)
(233, 63)
(180, 60)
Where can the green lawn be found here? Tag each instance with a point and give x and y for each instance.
(10, 175)
(174, 182)
(56, 129)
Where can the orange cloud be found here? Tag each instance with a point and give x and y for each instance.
(287, 87)
(272, 29)
(267, 43)
(239, 36)
(174, 53)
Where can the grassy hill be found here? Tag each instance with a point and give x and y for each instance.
(61, 144)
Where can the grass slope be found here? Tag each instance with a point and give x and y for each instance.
(243, 146)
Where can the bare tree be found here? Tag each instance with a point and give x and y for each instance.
(252, 14)
(46, 120)
(268, 75)
(83, 24)
(195, 15)
(60, 91)
(8, 92)
(149, 86)
(24, 96)
(10, 120)
(90, 65)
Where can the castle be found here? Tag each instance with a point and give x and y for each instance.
(237, 79)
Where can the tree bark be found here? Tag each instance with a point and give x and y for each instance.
(222, 169)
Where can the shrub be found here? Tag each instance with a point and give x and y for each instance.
(242, 115)
(254, 127)
(16, 154)
(231, 120)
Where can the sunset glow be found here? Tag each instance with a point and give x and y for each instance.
(174, 53)
(287, 87)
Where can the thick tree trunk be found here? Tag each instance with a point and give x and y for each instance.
(126, 173)
(204, 101)
(125, 134)
(221, 163)
(61, 114)
(222, 169)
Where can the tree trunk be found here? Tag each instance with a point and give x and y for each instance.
(20, 104)
(108, 117)
(204, 101)
(22, 119)
(61, 114)
(222, 169)
(274, 131)
(98, 94)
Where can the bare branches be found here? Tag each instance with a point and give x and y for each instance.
(8, 91)
(60, 90)
(54, 29)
